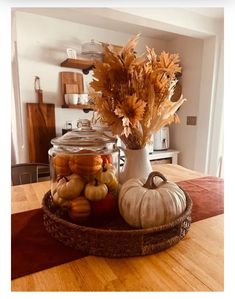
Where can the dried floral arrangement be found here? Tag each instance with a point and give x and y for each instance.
(132, 94)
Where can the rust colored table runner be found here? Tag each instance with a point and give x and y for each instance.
(207, 194)
(34, 250)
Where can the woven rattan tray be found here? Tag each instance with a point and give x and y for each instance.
(117, 238)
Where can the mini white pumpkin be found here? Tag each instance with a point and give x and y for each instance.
(151, 203)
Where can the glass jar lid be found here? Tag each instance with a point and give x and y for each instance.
(85, 135)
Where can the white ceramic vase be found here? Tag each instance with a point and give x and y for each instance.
(136, 165)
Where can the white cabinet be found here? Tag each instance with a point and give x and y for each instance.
(170, 154)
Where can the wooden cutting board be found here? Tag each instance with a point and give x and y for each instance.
(71, 88)
(71, 82)
(41, 129)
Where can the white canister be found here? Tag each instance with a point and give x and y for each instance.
(71, 98)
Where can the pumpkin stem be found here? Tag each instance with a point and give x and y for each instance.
(149, 184)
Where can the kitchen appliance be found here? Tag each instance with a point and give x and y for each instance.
(161, 139)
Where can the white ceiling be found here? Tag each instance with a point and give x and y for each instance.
(211, 12)
(100, 18)
(89, 16)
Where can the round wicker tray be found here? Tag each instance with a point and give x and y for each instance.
(117, 238)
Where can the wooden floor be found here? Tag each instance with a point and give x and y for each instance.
(195, 264)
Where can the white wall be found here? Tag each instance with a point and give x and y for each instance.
(200, 146)
(205, 105)
(215, 156)
(183, 136)
(179, 20)
(209, 151)
(41, 45)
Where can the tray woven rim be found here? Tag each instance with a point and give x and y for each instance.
(136, 231)
(112, 242)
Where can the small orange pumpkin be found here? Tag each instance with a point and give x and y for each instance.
(61, 164)
(80, 208)
(85, 164)
(70, 187)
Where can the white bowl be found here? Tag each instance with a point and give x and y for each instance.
(71, 98)
(83, 98)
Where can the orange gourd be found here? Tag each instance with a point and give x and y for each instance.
(79, 209)
(70, 187)
(107, 176)
(61, 164)
(85, 164)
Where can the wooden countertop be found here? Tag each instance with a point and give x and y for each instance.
(194, 264)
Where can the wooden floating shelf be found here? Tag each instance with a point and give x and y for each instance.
(78, 63)
(79, 106)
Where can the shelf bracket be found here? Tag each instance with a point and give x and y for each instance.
(87, 70)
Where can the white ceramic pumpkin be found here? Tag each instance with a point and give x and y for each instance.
(151, 203)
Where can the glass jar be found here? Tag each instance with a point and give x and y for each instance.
(92, 50)
(84, 168)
